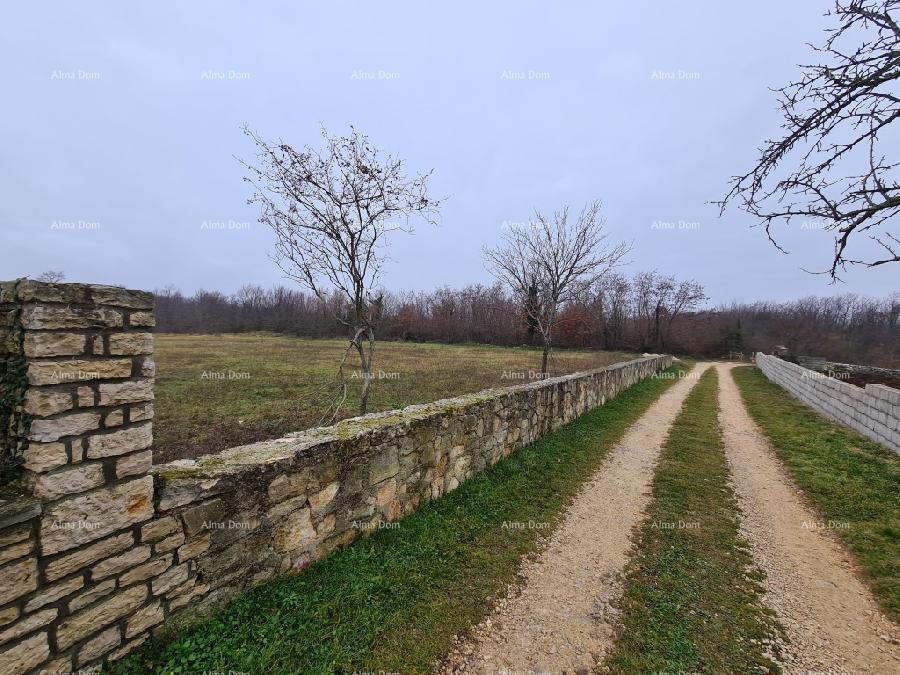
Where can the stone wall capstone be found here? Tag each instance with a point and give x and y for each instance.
(99, 549)
(873, 412)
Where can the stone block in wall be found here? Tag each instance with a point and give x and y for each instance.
(99, 645)
(135, 464)
(177, 492)
(47, 317)
(74, 424)
(27, 625)
(144, 619)
(113, 418)
(46, 402)
(141, 320)
(68, 480)
(121, 441)
(140, 412)
(121, 297)
(386, 465)
(30, 290)
(19, 578)
(295, 532)
(120, 563)
(321, 501)
(54, 592)
(87, 621)
(93, 515)
(196, 518)
(133, 391)
(16, 543)
(148, 570)
(91, 595)
(25, 655)
(131, 343)
(170, 543)
(194, 548)
(38, 345)
(39, 457)
(77, 370)
(159, 528)
(83, 294)
(168, 580)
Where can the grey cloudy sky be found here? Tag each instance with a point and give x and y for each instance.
(120, 124)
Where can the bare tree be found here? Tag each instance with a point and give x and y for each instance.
(658, 300)
(551, 261)
(52, 276)
(833, 116)
(331, 211)
(673, 297)
(612, 292)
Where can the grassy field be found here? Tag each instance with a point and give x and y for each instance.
(217, 391)
(852, 482)
(692, 600)
(394, 600)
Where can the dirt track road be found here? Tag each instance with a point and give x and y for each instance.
(830, 617)
(560, 618)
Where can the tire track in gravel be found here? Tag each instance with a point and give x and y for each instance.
(830, 617)
(560, 617)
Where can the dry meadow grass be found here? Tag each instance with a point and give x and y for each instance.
(217, 391)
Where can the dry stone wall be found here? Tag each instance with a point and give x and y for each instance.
(858, 369)
(874, 411)
(254, 512)
(99, 549)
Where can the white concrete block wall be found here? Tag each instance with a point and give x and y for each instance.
(873, 412)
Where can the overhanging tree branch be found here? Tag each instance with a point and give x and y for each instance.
(834, 116)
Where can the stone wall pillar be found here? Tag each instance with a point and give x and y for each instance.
(79, 430)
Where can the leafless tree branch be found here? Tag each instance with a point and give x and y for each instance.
(833, 117)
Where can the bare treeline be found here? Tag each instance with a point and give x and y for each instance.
(646, 312)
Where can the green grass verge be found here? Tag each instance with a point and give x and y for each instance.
(853, 482)
(692, 600)
(393, 601)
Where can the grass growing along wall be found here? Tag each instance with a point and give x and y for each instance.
(692, 600)
(853, 482)
(394, 601)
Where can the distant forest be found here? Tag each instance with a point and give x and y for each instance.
(646, 312)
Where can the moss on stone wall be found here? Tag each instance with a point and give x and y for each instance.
(14, 423)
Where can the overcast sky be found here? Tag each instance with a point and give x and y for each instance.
(120, 126)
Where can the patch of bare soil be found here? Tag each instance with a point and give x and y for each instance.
(560, 618)
(829, 616)
(862, 380)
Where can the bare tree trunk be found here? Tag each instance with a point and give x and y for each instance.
(656, 333)
(544, 358)
(366, 363)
